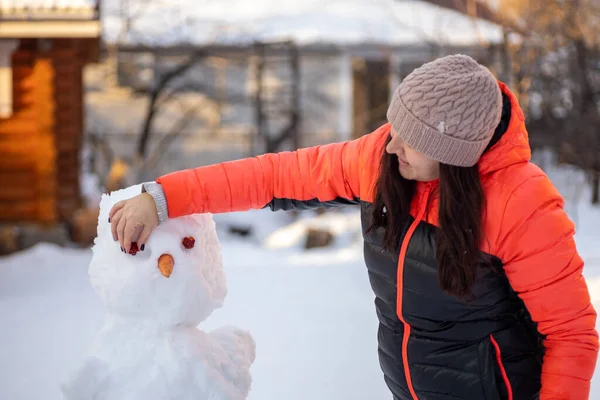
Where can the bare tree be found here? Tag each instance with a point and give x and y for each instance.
(556, 70)
(279, 104)
(163, 90)
(161, 93)
(126, 12)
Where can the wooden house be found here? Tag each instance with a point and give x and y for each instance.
(327, 74)
(341, 92)
(44, 47)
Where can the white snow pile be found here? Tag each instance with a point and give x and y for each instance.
(149, 347)
(345, 226)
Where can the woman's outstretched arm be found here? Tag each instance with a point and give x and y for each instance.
(320, 176)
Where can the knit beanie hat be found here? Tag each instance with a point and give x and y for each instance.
(448, 110)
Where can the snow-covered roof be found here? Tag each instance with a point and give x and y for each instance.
(49, 19)
(47, 4)
(393, 22)
(47, 9)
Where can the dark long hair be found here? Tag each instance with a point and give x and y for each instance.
(460, 228)
(460, 219)
(461, 206)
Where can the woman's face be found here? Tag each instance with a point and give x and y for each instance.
(413, 165)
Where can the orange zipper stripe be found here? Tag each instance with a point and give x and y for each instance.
(400, 278)
(501, 365)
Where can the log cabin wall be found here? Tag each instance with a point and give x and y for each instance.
(40, 143)
(27, 151)
(68, 62)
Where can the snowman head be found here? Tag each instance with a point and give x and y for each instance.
(177, 279)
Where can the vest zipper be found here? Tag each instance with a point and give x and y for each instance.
(400, 278)
(505, 379)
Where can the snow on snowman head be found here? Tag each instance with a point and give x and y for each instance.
(171, 282)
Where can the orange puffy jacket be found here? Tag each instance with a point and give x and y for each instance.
(525, 225)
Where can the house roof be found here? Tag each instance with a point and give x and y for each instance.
(391, 22)
(487, 10)
(48, 9)
(49, 18)
(468, 7)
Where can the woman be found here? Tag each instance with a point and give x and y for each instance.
(478, 284)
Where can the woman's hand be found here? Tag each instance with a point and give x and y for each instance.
(128, 217)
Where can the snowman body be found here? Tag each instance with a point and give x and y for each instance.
(150, 347)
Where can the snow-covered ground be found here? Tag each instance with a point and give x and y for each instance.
(310, 312)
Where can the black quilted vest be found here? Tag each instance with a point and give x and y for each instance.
(469, 350)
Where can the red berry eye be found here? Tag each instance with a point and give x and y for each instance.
(188, 242)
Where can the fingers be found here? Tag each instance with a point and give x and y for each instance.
(114, 223)
(128, 233)
(130, 221)
(118, 206)
(121, 230)
(144, 235)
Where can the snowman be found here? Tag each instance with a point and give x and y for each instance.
(150, 347)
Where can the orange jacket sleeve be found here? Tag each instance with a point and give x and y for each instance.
(334, 173)
(544, 268)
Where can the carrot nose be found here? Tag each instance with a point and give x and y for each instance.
(165, 265)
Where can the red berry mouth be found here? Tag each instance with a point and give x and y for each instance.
(133, 249)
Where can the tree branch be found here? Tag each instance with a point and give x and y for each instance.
(152, 109)
(167, 139)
